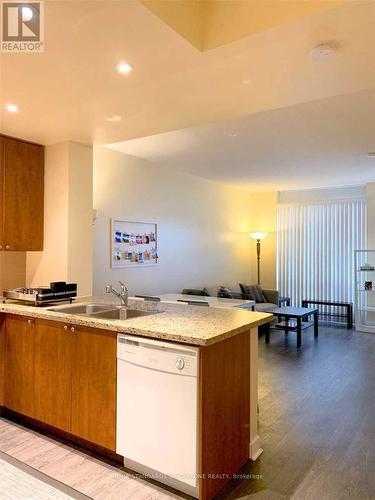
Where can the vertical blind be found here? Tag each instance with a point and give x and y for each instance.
(315, 249)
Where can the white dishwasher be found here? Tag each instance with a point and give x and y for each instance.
(157, 410)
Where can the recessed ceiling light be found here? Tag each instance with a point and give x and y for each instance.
(124, 68)
(12, 108)
(113, 118)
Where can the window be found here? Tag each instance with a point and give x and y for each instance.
(315, 249)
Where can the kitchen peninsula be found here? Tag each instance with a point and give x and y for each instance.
(59, 374)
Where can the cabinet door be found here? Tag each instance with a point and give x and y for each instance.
(94, 386)
(2, 359)
(23, 195)
(53, 374)
(1, 191)
(19, 364)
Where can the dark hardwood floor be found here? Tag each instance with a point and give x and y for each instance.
(317, 419)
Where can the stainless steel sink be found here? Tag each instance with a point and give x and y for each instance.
(121, 313)
(104, 311)
(86, 309)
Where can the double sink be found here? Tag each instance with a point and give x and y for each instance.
(102, 311)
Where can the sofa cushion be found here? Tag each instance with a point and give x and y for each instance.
(253, 292)
(271, 295)
(265, 306)
(236, 295)
(227, 292)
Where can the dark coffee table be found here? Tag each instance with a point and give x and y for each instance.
(297, 313)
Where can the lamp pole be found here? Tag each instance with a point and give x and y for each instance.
(258, 259)
(258, 236)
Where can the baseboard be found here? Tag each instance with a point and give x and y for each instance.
(365, 329)
(254, 449)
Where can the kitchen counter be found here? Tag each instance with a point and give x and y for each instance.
(55, 374)
(179, 323)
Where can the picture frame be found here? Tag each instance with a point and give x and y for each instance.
(133, 244)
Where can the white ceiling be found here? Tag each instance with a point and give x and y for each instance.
(321, 143)
(68, 91)
(260, 82)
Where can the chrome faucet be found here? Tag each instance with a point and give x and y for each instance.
(123, 295)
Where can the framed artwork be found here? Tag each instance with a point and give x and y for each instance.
(133, 244)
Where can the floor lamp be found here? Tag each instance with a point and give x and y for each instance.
(258, 236)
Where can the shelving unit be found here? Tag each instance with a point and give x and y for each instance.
(364, 262)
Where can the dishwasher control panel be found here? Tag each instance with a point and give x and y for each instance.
(158, 355)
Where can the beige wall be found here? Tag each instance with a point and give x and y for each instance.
(209, 24)
(262, 209)
(12, 270)
(202, 225)
(67, 254)
(227, 21)
(80, 205)
(51, 264)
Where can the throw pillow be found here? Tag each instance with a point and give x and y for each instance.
(194, 291)
(212, 291)
(225, 293)
(253, 292)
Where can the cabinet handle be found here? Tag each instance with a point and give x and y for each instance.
(30, 321)
(72, 329)
(7, 247)
(1, 247)
(65, 328)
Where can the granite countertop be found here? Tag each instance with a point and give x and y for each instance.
(179, 323)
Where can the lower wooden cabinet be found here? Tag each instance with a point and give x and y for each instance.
(94, 387)
(53, 349)
(62, 375)
(2, 358)
(19, 365)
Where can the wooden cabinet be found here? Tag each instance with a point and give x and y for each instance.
(224, 411)
(22, 195)
(52, 374)
(1, 193)
(94, 386)
(62, 375)
(19, 364)
(2, 359)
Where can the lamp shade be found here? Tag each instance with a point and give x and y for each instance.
(258, 236)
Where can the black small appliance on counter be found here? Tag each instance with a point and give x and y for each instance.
(58, 291)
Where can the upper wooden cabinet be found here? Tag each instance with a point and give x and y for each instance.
(22, 195)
